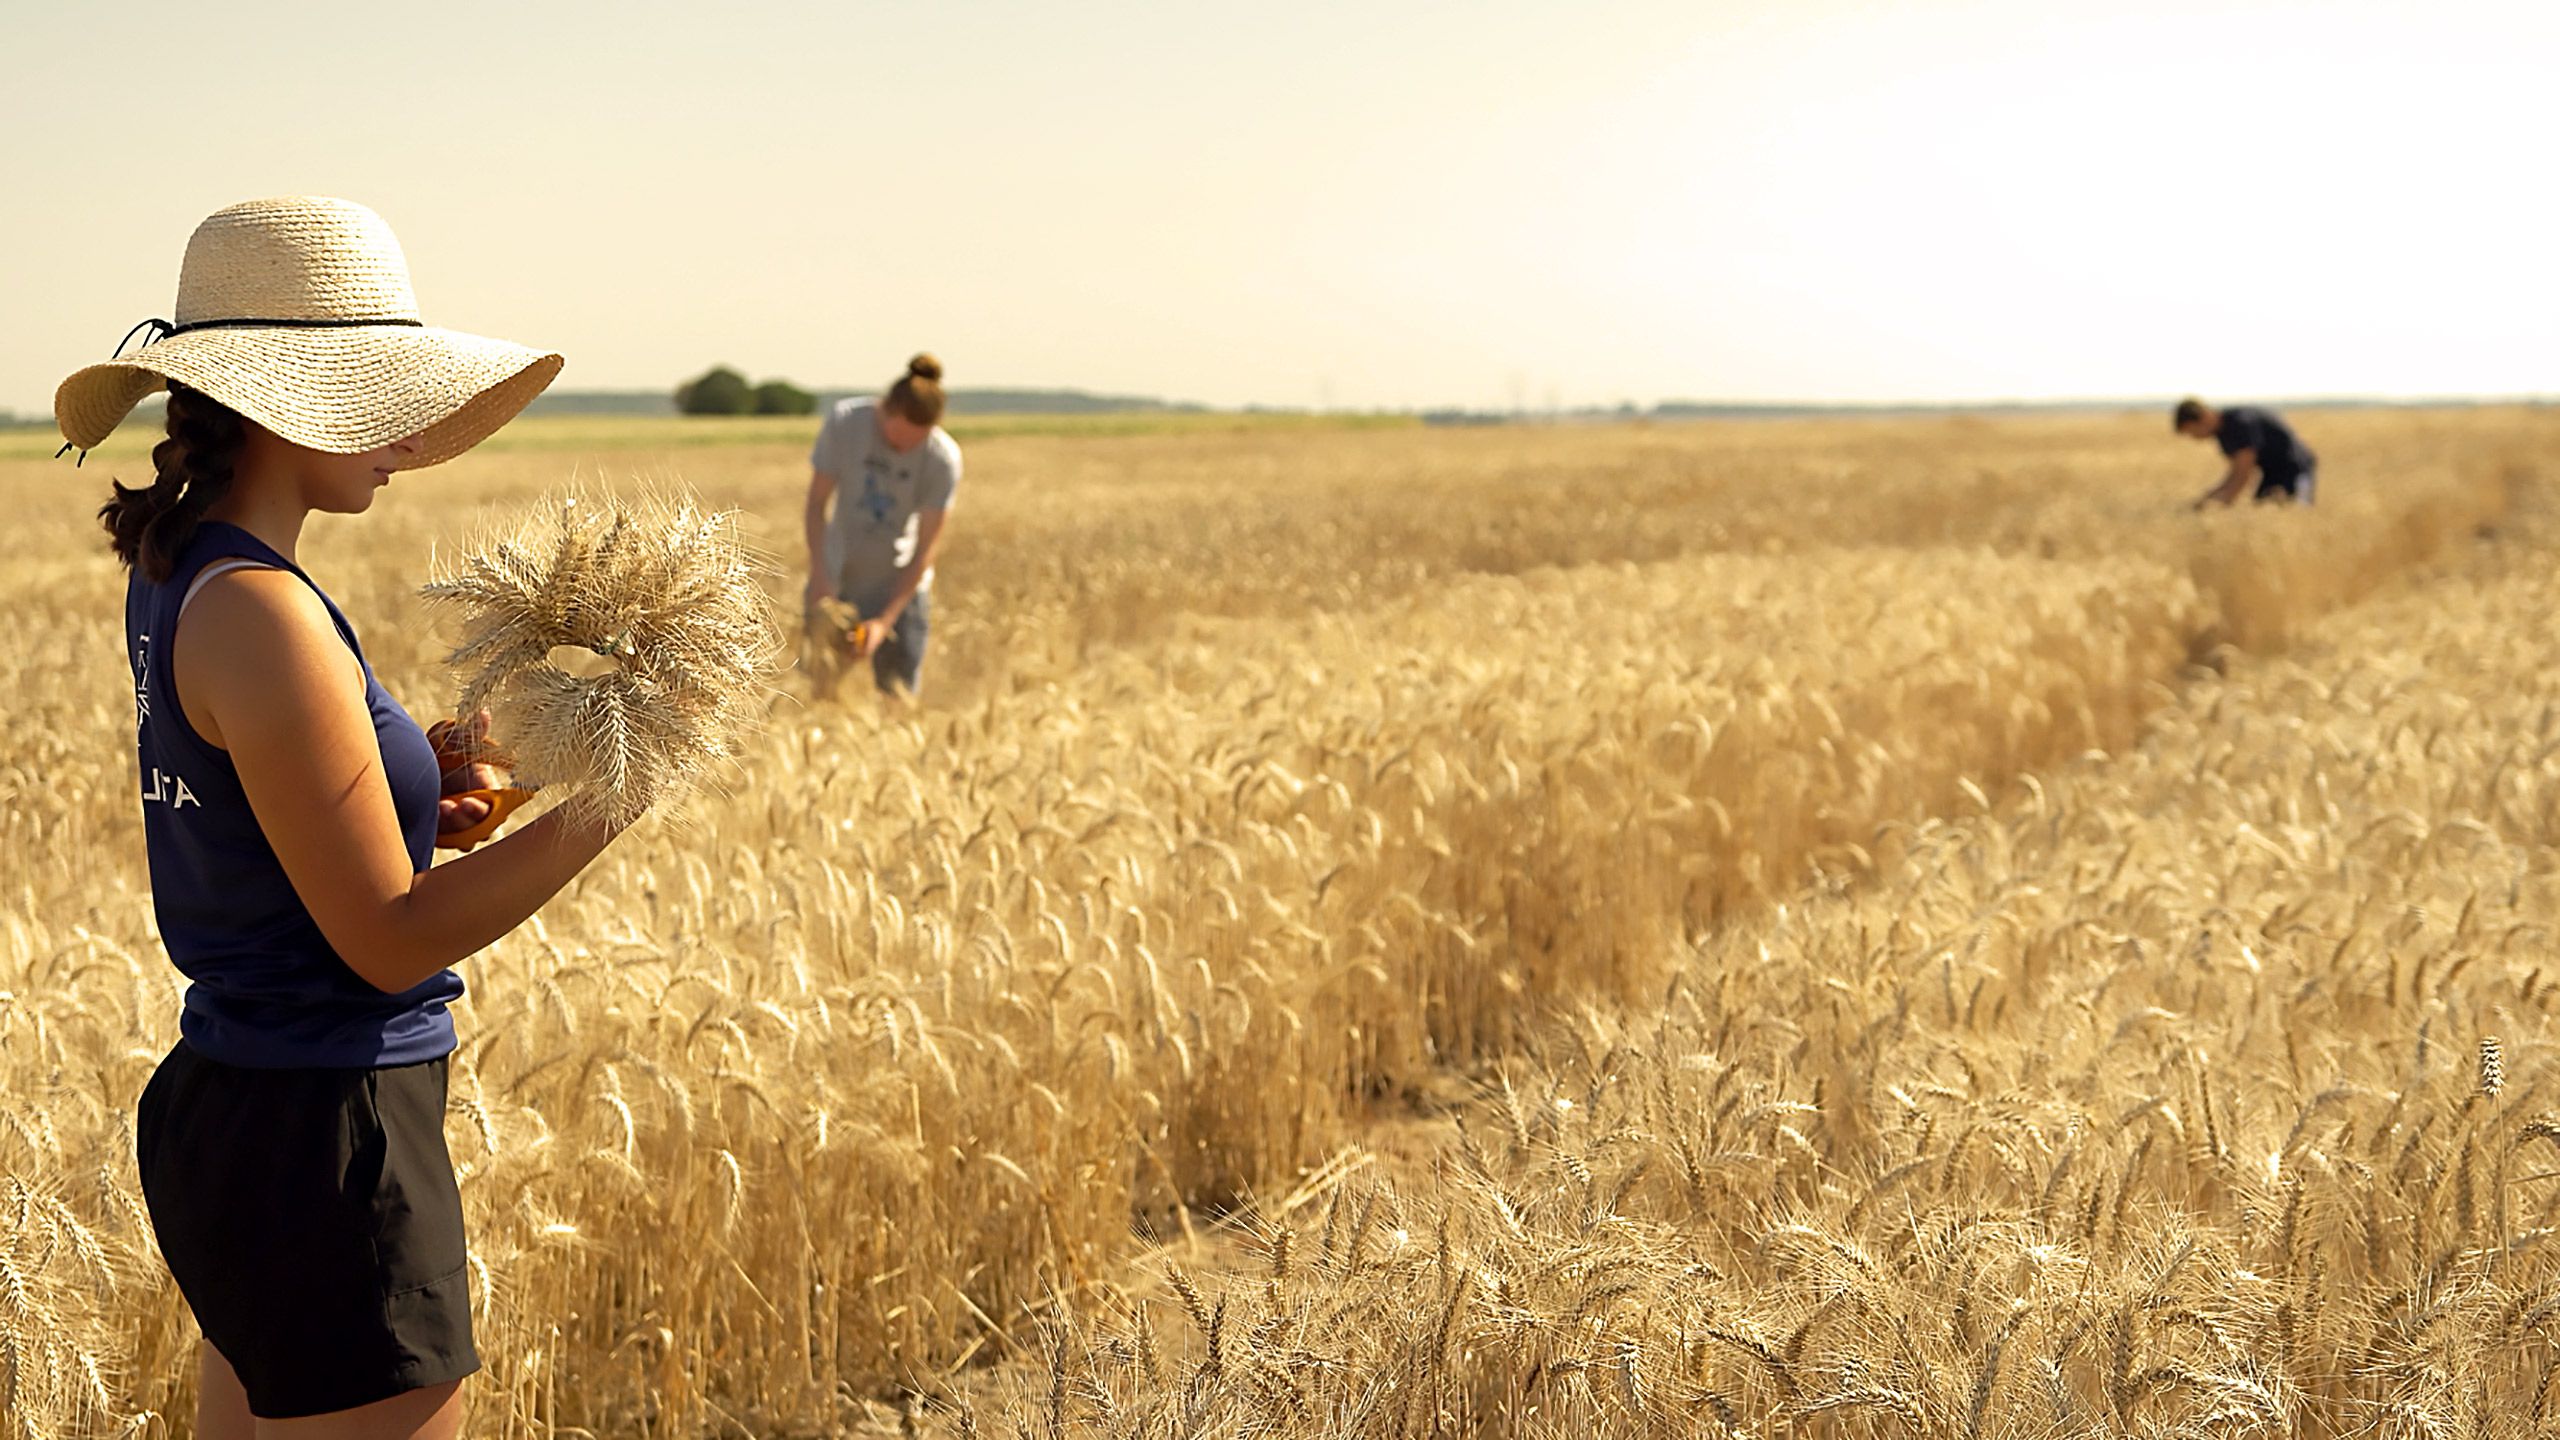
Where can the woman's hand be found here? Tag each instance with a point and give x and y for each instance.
(463, 753)
(818, 590)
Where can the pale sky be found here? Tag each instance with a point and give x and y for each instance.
(1374, 204)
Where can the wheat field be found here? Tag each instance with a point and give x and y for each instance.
(1859, 927)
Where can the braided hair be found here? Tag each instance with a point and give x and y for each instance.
(152, 525)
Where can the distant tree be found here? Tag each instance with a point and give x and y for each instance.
(781, 397)
(717, 391)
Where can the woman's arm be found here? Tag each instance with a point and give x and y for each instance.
(822, 488)
(2244, 469)
(264, 673)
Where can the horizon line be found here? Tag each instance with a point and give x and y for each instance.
(17, 420)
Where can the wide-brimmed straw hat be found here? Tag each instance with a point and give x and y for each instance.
(297, 313)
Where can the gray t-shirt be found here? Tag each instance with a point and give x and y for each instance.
(879, 494)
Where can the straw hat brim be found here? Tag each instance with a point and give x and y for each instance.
(342, 390)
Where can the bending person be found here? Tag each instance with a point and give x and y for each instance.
(2263, 451)
(891, 473)
(292, 1145)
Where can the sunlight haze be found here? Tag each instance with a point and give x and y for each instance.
(1375, 205)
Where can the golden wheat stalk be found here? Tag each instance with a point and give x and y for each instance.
(623, 644)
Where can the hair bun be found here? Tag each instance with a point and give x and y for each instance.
(925, 367)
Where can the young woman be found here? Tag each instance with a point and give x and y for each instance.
(891, 472)
(292, 1144)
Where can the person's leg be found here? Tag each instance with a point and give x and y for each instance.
(897, 667)
(434, 1413)
(222, 1407)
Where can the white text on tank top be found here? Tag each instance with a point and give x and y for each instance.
(160, 787)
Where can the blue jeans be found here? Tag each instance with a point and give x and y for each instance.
(899, 662)
(2296, 488)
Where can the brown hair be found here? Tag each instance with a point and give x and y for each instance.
(917, 395)
(151, 526)
(2189, 411)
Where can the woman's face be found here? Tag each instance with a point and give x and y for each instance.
(334, 484)
(902, 433)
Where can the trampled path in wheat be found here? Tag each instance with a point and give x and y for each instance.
(2198, 1088)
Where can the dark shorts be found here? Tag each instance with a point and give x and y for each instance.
(311, 1220)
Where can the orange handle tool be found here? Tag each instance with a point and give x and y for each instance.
(502, 803)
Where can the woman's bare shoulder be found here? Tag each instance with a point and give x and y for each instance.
(254, 619)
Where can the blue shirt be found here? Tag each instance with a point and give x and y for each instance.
(2282, 457)
(267, 990)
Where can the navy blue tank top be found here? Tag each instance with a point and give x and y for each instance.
(267, 991)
